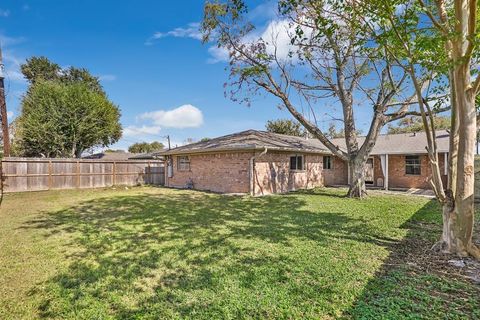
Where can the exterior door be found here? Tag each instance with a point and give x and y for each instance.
(369, 171)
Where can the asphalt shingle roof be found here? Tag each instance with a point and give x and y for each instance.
(402, 143)
(413, 143)
(252, 140)
(110, 156)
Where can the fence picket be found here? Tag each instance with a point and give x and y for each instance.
(17, 179)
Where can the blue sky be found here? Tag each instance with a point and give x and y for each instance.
(149, 58)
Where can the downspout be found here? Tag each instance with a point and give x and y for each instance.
(168, 170)
(252, 170)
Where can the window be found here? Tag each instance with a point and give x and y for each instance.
(413, 165)
(296, 162)
(183, 163)
(327, 162)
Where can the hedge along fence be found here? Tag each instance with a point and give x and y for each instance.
(35, 174)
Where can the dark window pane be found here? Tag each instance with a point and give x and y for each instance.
(293, 163)
(296, 163)
(299, 163)
(327, 162)
(413, 165)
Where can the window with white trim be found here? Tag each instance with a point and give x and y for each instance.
(183, 163)
(296, 162)
(413, 165)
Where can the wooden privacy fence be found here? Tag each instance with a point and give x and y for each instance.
(35, 174)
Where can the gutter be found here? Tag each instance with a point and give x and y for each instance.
(252, 170)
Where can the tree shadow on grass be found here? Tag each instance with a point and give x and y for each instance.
(417, 283)
(197, 255)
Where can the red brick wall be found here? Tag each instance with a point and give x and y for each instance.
(273, 174)
(399, 179)
(221, 172)
(229, 173)
(397, 176)
(338, 175)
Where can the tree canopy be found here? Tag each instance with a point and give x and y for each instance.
(64, 120)
(64, 112)
(41, 68)
(285, 126)
(145, 147)
(415, 124)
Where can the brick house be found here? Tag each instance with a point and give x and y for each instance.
(260, 163)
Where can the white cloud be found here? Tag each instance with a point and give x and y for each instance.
(9, 114)
(4, 13)
(25, 7)
(192, 30)
(218, 54)
(130, 131)
(107, 77)
(276, 36)
(186, 116)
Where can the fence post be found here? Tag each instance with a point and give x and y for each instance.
(1, 181)
(78, 174)
(149, 175)
(50, 177)
(113, 173)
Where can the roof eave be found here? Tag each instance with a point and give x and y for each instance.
(251, 149)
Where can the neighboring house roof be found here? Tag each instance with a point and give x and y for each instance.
(110, 156)
(148, 155)
(402, 143)
(252, 140)
(405, 143)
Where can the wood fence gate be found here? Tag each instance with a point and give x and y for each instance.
(35, 174)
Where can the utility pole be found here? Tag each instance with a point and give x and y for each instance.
(3, 110)
(168, 139)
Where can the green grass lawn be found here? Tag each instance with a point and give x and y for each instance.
(154, 253)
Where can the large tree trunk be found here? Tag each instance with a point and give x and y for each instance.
(357, 188)
(458, 207)
(460, 236)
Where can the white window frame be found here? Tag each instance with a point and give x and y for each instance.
(414, 165)
(183, 163)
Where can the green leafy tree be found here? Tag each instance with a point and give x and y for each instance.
(41, 68)
(415, 124)
(74, 75)
(65, 119)
(285, 126)
(145, 147)
(334, 133)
